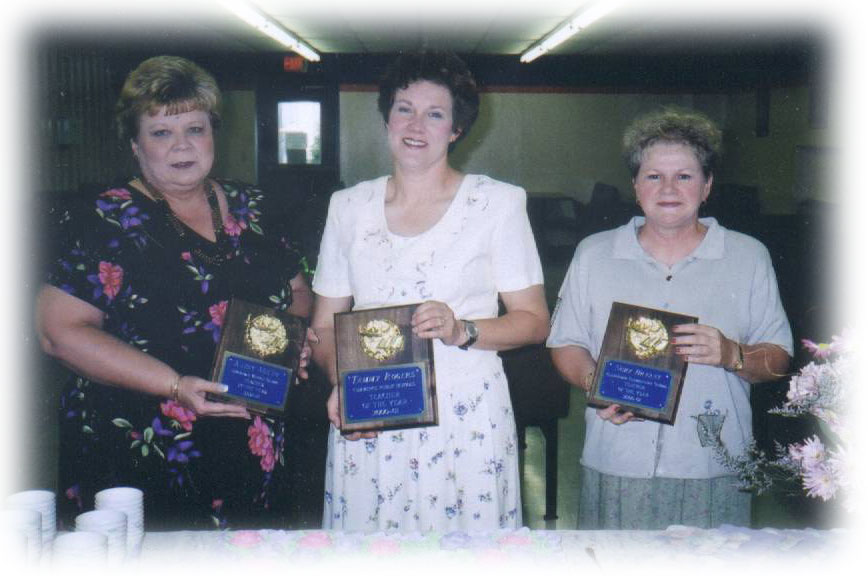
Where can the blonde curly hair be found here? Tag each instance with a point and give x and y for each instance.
(673, 126)
(169, 82)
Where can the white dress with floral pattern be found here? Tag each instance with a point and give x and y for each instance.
(462, 474)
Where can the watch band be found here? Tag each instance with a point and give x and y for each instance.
(739, 361)
(472, 333)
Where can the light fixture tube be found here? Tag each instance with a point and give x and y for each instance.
(569, 28)
(271, 28)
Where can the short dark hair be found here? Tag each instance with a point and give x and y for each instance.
(673, 126)
(172, 82)
(442, 68)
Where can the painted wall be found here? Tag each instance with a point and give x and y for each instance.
(771, 162)
(235, 148)
(565, 142)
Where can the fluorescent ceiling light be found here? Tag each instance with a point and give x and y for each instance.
(571, 27)
(271, 28)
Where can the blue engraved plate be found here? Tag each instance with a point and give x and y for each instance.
(255, 380)
(635, 384)
(388, 393)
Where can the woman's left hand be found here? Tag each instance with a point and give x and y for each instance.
(433, 319)
(702, 344)
(306, 352)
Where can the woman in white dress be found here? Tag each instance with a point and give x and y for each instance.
(454, 243)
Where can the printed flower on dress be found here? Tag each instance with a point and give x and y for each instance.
(233, 227)
(179, 414)
(111, 277)
(116, 207)
(260, 443)
(218, 313)
(119, 193)
(200, 274)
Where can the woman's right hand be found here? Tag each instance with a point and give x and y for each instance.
(191, 395)
(615, 415)
(334, 414)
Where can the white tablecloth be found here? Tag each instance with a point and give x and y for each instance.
(694, 550)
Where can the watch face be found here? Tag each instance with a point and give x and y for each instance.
(471, 329)
(472, 334)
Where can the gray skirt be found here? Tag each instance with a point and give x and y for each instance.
(617, 503)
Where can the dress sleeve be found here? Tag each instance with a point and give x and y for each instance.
(516, 261)
(283, 231)
(768, 320)
(332, 278)
(571, 320)
(84, 260)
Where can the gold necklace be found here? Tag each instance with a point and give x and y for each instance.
(181, 229)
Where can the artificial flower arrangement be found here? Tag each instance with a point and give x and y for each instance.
(821, 389)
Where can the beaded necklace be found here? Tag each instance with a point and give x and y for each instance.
(182, 230)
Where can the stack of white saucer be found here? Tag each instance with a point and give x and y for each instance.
(110, 523)
(130, 502)
(23, 527)
(41, 501)
(79, 548)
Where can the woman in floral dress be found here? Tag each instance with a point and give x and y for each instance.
(134, 306)
(455, 243)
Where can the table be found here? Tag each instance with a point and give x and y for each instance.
(521, 551)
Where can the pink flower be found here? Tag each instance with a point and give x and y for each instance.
(259, 436)
(217, 504)
(820, 351)
(232, 226)
(246, 539)
(820, 482)
(175, 411)
(813, 452)
(260, 444)
(117, 193)
(805, 384)
(515, 540)
(218, 312)
(111, 277)
(315, 540)
(267, 460)
(385, 547)
(844, 343)
(186, 256)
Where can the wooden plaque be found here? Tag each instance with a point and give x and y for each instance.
(258, 356)
(638, 368)
(385, 373)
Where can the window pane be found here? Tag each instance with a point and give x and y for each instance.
(298, 133)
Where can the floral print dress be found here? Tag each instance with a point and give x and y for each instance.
(463, 473)
(166, 294)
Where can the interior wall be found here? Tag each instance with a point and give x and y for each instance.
(770, 162)
(235, 142)
(565, 142)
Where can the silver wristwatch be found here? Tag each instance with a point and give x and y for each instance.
(472, 333)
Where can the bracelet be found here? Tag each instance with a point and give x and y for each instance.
(176, 387)
(589, 382)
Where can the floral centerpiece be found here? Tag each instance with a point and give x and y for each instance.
(822, 390)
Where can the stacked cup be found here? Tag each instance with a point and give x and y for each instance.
(41, 501)
(26, 527)
(110, 523)
(130, 502)
(79, 548)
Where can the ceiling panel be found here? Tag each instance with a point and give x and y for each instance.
(470, 26)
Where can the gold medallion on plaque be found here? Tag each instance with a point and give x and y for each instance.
(381, 339)
(265, 335)
(647, 337)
